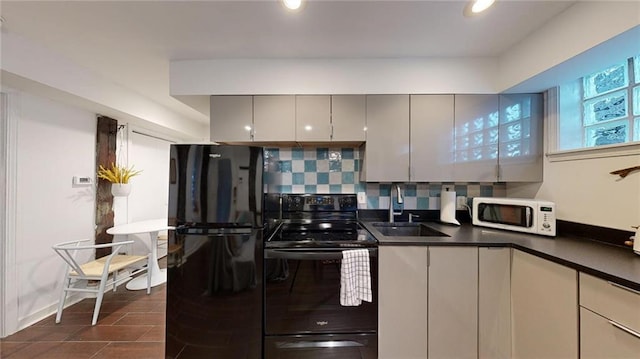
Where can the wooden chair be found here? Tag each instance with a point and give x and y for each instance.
(106, 270)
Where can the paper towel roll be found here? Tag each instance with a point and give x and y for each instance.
(448, 207)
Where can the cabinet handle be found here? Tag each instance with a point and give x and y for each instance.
(623, 328)
(331, 137)
(623, 287)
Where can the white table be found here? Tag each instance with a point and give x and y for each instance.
(158, 276)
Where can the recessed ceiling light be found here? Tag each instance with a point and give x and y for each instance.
(292, 4)
(475, 7)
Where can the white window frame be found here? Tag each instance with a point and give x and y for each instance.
(631, 148)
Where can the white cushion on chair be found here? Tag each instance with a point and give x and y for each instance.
(94, 268)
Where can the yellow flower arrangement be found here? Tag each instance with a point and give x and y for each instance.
(117, 173)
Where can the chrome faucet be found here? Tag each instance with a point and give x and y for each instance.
(399, 200)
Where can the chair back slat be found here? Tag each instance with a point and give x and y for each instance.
(68, 252)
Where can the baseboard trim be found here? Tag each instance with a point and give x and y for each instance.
(50, 310)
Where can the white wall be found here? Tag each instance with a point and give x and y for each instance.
(585, 192)
(149, 198)
(34, 68)
(54, 143)
(333, 76)
(580, 183)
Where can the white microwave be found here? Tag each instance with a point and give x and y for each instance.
(515, 214)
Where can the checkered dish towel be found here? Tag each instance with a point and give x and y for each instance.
(355, 279)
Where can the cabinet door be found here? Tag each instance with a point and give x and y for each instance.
(494, 303)
(387, 149)
(431, 138)
(348, 117)
(453, 302)
(544, 313)
(476, 138)
(274, 118)
(520, 145)
(601, 339)
(402, 302)
(231, 118)
(313, 118)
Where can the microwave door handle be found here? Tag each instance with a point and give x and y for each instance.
(528, 216)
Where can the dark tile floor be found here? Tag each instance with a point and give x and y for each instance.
(131, 325)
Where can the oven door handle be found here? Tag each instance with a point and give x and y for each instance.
(311, 254)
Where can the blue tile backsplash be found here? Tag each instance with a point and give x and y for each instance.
(337, 170)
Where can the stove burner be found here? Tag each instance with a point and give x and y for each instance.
(327, 233)
(320, 221)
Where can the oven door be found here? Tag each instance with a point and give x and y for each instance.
(303, 315)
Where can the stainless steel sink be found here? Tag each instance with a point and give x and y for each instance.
(404, 229)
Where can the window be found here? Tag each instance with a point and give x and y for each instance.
(602, 108)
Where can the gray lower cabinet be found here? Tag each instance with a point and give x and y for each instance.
(544, 299)
(453, 302)
(609, 319)
(402, 302)
(494, 303)
(599, 338)
(431, 302)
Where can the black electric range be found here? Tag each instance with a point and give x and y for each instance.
(303, 315)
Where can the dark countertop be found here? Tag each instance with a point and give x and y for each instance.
(610, 262)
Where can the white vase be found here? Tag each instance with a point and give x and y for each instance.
(120, 189)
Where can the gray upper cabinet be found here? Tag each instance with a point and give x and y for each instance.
(431, 138)
(274, 118)
(313, 118)
(498, 138)
(476, 138)
(387, 148)
(520, 152)
(348, 118)
(231, 118)
(284, 118)
(322, 118)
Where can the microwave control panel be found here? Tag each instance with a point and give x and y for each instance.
(547, 219)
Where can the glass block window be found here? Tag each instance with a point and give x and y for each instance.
(602, 108)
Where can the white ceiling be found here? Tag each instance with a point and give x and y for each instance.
(132, 42)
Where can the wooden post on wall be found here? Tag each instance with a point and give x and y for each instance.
(105, 156)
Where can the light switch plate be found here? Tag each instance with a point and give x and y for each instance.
(82, 181)
(362, 198)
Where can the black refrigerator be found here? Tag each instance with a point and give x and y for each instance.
(214, 260)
